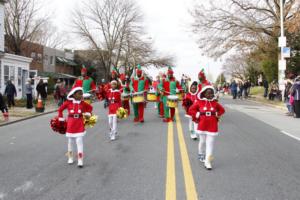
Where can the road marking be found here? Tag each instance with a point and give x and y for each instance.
(290, 135)
(23, 188)
(170, 177)
(190, 189)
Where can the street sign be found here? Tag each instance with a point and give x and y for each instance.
(286, 52)
(282, 41)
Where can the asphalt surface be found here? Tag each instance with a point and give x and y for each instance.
(253, 160)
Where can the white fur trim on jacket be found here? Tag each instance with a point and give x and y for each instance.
(87, 114)
(73, 91)
(207, 133)
(203, 90)
(74, 135)
(61, 119)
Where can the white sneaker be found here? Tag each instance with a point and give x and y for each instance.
(207, 165)
(70, 157)
(80, 162)
(194, 136)
(113, 137)
(70, 161)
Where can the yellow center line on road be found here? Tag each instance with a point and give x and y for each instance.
(191, 193)
(170, 177)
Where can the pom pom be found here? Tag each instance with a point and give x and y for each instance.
(58, 126)
(90, 121)
(122, 113)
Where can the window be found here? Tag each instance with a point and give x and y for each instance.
(39, 57)
(33, 54)
(19, 76)
(51, 60)
(12, 73)
(6, 74)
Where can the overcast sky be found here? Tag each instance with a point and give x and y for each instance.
(167, 23)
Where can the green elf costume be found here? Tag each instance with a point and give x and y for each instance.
(86, 82)
(139, 83)
(168, 87)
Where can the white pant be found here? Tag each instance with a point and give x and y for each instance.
(206, 145)
(79, 143)
(112, 121)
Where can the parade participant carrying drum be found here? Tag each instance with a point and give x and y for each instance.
(86, 83)
(138, 86)
(168, 88)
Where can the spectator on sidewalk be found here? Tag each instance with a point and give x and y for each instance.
(295, 92)
(41, 90)
(62, 93)
(28, 91)
(266, 88)
(3, 107)
(233, 87)
(273, 91)
(247, 86)
(287, 98)
(240, 90)
(11, 93)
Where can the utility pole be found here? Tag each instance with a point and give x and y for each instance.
(282, 61)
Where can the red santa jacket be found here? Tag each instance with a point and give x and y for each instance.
(188, 100)
(208, 112)
(75, 125)
(114, 99)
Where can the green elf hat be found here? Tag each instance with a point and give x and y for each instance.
(138, 69)
(170, 71)
(114, 71)
(83, 69)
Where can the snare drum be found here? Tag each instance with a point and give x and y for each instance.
(138, 97)
(125, 97)
(87, 98)
(172, 101)
(151, 96)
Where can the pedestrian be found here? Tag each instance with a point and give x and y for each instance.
(189, 99)
(208, 111)
(233, 88)
(3, 107)
(273, 91)
(114, 103)
(56, 93)
(240, 90)
(287, 98)
(266, 88)
(77, 110)
(295, 92)
(11, 93)
(62, 92)
(41, 89)
(28, 91)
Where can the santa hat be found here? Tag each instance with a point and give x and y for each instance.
(114, 71)
(73, 90)
(83, 69)
(170, 71)
(122, 77)
(200, 95)
(202, 74)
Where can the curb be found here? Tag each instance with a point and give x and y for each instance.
(266, 104)
(26, 118)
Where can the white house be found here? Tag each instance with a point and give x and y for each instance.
(12, 67)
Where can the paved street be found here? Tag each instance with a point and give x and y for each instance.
(254, 159)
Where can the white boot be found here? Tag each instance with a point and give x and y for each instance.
(207, 163)
(70, 157)
(113, 137)
(193, 135)
(80, 160)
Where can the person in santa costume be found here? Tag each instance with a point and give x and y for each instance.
(208, 111)
(87, 83)
(114, 103)
(139, 83)
(169, 86)
(77, 109)
(189, 99)
(125, 81)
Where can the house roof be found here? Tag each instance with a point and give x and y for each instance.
(66, 61)
(56, 75)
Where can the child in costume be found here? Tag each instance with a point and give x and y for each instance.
(77, 109)
(208, 111)
(189, 99)
(114, 103)
(3, 107)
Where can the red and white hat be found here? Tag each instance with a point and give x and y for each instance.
(200, 96)
(75, 89)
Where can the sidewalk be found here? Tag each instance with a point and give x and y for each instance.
(17, 114)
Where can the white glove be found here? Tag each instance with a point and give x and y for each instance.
(61, 119)
(87, 114)
(197, 115)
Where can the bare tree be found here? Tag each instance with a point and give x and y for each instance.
(241, 24)
(236, 67)
(23, 22)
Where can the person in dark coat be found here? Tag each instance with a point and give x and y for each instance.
(233, 87)
(295, 92)
(3, 107)
(266, 88)
(41, 90)
(28, 91)
(10, 92)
